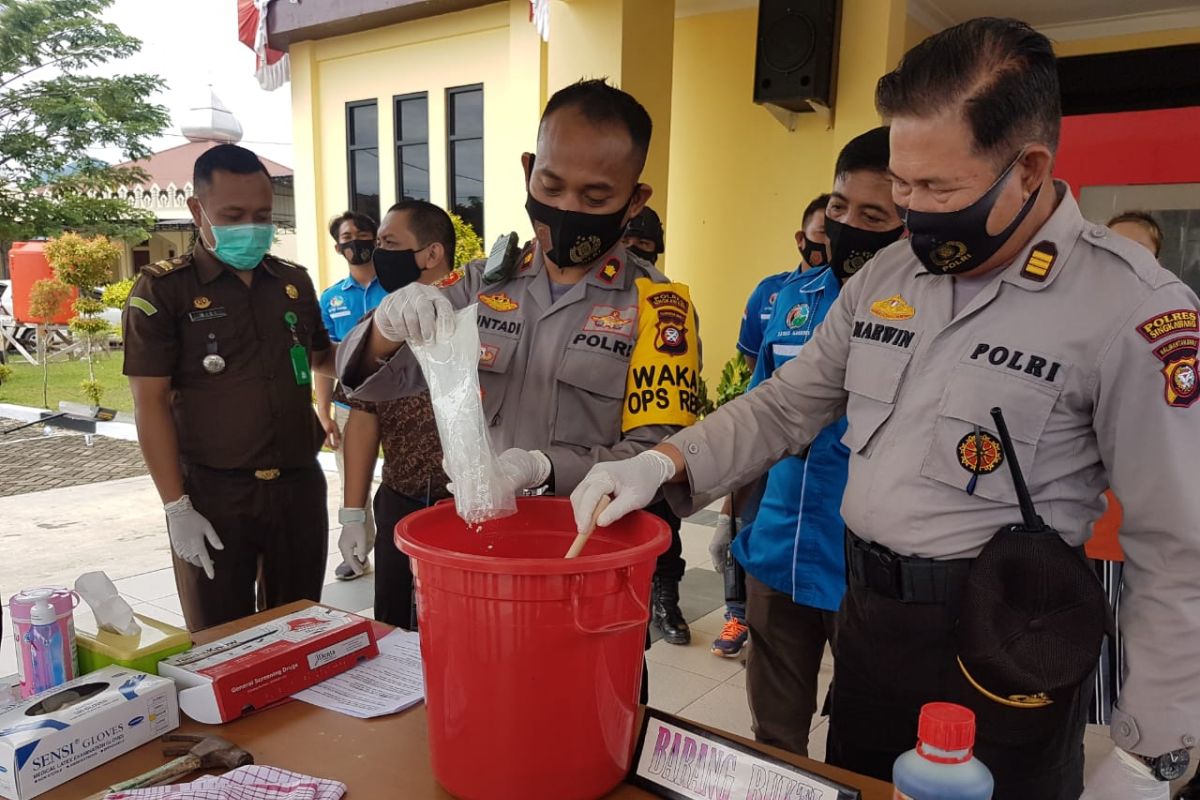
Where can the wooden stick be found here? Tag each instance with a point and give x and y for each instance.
(581, 539)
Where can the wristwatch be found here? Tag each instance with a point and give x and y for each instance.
(351, 515)
(1168, 766)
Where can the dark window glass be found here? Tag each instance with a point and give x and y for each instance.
(414, 172)
(465, 149)
(364, 125)
(412, 118)
(466, 112)
(412, 147)
(362, 134)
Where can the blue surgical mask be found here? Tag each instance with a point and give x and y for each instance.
(240, 246)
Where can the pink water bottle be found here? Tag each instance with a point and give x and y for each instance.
(31, 644)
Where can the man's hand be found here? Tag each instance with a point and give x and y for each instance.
(718, 547)
(633, 483)
(525, 469)
(333, 437)
(1122, 776)
(188, 530)
(355, 543)
(417, 313)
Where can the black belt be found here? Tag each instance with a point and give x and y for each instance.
(903, 578)
(270, 474)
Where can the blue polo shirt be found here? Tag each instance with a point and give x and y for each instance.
(795, 543)
(758, 312)
(345, 303)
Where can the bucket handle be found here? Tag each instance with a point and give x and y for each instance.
(641, 617)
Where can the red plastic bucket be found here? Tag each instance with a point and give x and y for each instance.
(533, 663)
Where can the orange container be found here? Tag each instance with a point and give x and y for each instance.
(533, 663)
(27, 265)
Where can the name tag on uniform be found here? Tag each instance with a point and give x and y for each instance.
(338, 314)
(207, 314)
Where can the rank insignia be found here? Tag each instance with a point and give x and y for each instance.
(527, 259)
(610, 270)
(893, 307)
(499, 302)
(1040, 262)
(1179, 370)
(449, 280)
(487, 354)
(201, 302)
(980, 453)
(292, 291)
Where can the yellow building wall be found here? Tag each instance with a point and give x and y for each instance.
(479, 46)
(1132, 41)
(739, 179)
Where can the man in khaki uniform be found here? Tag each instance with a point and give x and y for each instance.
(586, 353)
(1002, 296)
(220, 346)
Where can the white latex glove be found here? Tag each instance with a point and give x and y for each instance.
(633, 483)
(417, 312)
(525, 469)
(1122, 776)
(718, 547)
(189, 530)
(356, 543)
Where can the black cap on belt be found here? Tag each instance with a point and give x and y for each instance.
(1034, 614)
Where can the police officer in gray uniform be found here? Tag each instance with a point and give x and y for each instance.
(1003, 295)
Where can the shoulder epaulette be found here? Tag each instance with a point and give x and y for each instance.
(167, 266)
(1139, 260)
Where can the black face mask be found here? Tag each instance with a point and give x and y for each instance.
(850, 247)
(814, 253)
(359, 251)
(954, 242)
(396, 269)
(645, 255)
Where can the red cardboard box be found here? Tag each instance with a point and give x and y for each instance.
(252, 669)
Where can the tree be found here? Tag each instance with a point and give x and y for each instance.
(467, 244)
(52, 111)
(46, 299)
(85, 264)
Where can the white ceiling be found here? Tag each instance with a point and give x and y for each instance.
(1064, 19)
(1059, 19)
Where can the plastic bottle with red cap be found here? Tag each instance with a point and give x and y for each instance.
(941, 766)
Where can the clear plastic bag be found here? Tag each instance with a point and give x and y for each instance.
(451, 367)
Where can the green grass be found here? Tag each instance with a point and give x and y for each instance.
(25, 386)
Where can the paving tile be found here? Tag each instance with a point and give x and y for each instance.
(724, 707)
(710, 624)
(148, 585)
(694, 658)
(739, 678)
(816, 739)
(672, 689)
(695, 540)
(707, 516)
(170, 604)
(355, 596)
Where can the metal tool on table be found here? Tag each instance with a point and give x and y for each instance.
(205, 752)
(581, 539)
(72, 412)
